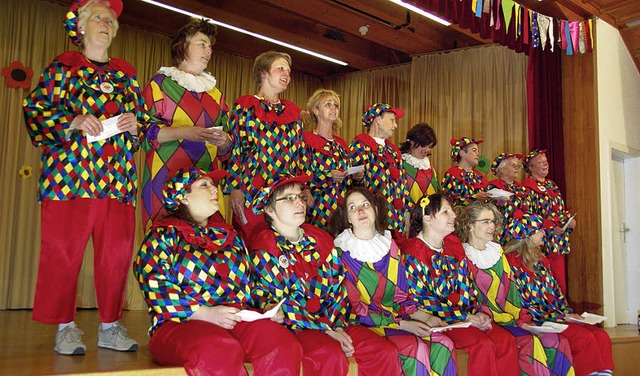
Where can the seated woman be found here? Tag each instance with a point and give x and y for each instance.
(439, 281)
(492, 277)
(193, 273)
(297, 262)
(541, 295)
(377, 285)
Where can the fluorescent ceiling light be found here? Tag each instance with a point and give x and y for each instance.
(422, 12)
(247, 32)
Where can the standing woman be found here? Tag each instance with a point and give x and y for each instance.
(266, 131)
(439, 280)
(87, 188)
(325, 156)
(193, 271)
(463, 184)
(546, 201)
(507, 167)
(193, 113)
(377, 286)
(422, 179)
(541, 295)
(492, 276)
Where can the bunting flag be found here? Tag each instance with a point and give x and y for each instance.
(535, 28)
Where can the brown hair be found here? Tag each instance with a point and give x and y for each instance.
(434, 206)
(421, 135)
(339, 220)
(181, 40)
(262, 64)
(310, 120)
(271, 202)
(469, 214)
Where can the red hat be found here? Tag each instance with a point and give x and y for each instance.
(71, 18)
(459, 144)
(176, 187)
(502, 157)
(530, 156)
(260, 199)
(378, 109)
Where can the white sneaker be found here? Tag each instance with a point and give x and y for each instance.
(116, 338)
(69, 341)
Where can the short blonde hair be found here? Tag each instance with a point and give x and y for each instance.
(85, 11)
(262, 64)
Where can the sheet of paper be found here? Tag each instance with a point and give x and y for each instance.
(566, 225)
(588, 318)
(109, 128)
(497, 193)
(548, 327)
(249, 316)
(462, 324)
(355, 169)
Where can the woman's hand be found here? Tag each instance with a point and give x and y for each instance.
(480, 321)
(279, 316)
(338, 176)
(574, 316)
(483, 196)
(220, 315)
(428, 319)
(198, 134)
(89, 124)
(416, 327)
(236, 198)
(358, 176)
(222, 140)
(128, 122)
(345, 341)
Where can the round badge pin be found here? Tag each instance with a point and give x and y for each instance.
(283, 261)
(106, 87)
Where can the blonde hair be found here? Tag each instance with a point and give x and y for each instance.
(310, 119)
(469, 214)
(262, 64)
(85, 11)
(525, 249)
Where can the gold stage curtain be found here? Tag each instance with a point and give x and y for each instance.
(479, 92)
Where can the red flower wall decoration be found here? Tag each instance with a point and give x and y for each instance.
(17, 75)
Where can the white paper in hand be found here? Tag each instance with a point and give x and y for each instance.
(499, 193)
(588, 318)
(355, 169)
(109, 128)
(548, 327)
(249, 316)
(461, 324)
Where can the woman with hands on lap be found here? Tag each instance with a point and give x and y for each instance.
(377, 286)
(193, 114)
(194, 274)
(439, 280)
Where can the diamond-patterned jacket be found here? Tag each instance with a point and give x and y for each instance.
(71, 166)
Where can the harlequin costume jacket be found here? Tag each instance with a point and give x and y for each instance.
(267, 142)
(319, 158)
(308, 274)
(460, 187)
(180, 267)
(519, 200)
(546, 201)
(72, 167)
(384, 175)
(177, 106)
(440, 281)
(420, 181)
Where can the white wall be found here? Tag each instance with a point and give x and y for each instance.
(618, 102)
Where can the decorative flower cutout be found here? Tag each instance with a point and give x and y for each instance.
(25, 172)
(483, 164)
(17, 75)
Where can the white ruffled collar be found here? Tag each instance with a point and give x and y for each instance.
(372, 250)
(199, 84)
(420, 164)
(379, 141)
(486, 258)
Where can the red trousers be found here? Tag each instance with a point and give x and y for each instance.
(324, 356)
(204, 348)
(66, 228)
(591, 348)
(493, 352)
(558, 268)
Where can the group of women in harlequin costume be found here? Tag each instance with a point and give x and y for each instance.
(348, 249)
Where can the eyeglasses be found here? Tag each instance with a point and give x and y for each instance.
(487, 221)
(293, 198)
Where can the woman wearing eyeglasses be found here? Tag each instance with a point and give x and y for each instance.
(298, 262)
(377, 285)
(439, 280)
(499, 296)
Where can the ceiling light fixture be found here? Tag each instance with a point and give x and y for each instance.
(247, 32)
(422, 12)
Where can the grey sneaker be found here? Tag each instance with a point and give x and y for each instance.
(69, 341)
(116, 338)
